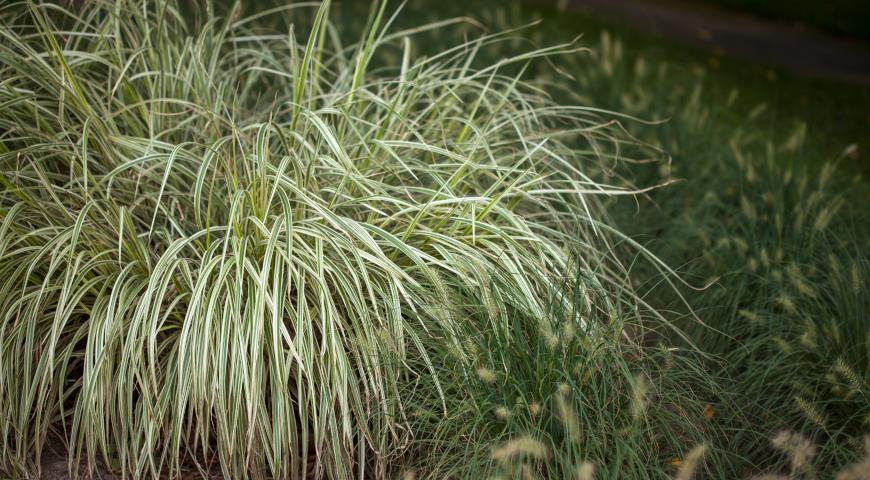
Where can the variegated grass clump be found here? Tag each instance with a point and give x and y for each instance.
(221, 244)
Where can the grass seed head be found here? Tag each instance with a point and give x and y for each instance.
(799, 449)
(524, 446)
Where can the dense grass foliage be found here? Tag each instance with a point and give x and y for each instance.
(769, 214)
(338, 243)
(791, 299)
(778, 229)
(594, 396)
(231, 246)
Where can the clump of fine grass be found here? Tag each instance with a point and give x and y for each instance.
(768, 218)
(581, 392)
(224, 245)
(775, 225)
(800, 453)
(790, 309)
(780, 241)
